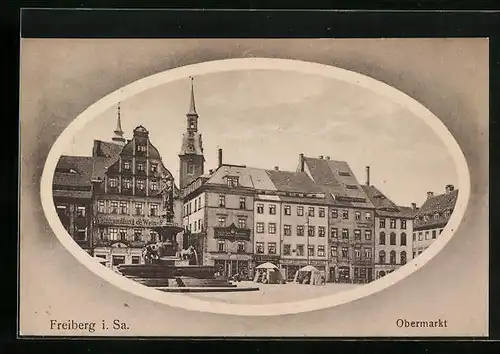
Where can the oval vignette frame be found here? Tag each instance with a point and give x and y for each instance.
(272, 309)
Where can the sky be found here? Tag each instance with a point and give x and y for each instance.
(266, 118)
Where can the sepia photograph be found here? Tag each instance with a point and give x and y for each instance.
(256, 185)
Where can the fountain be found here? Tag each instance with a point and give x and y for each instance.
(167, 268)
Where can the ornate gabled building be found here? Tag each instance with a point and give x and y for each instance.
(72, 195)
(191, 159)
(133, 192)
(432, 217)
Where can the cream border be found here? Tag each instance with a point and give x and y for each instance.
(186, 302)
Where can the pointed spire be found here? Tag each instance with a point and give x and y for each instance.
(192, 106)
(118, 131)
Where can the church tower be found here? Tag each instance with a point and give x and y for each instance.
(191, 157)
(118, 137)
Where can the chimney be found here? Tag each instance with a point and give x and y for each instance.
(276, 168)
(430, 195)
(449, 188)
(414, 206)
(327, 157)
(220, 157)
(367, 175)
(321, 157)
(301, 162)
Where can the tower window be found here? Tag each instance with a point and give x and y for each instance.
(190, 168)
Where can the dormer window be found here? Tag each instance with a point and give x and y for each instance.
(232, 181)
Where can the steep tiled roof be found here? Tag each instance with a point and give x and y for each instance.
(385, 206)
(337, 179)
(293, 181)
(436, 206)
(407, 211)
(106, 149)
(100, 165)
(249, 177)
(73, 171)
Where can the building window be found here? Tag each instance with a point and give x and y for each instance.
(137, 234)
(357, 235)
(392, 239)
(271, 227)
(311, 231)
(436, 216)
(433, 234)
(136, 259)
(260, 227)
(221, 246)
(300, 230)
(101, 233)
(200, 228)
(392, 257)
(403, 239)
(447, 214)
(243, 203)
(190, 168)
(345, 252)
(222, 201)
(141, 148)
(127, 184)
(357, 215)
(333, 251)
(287, 250)
(382, 223)
(140, 184)
(300, 250)
(345, 234)
(154, 167)
(357, 253)
(321, 212)
(427, 235)
(287, 230)
(288, 210)
(368, 253)
(126, 165)
(101, 206)
(272, 209)
(259, 247)
(140, 167)
(153, 185)
(123, 207)
(368, 215)
(139, 208)
(113, 233)
(403, 257)
(393, 223)
(321, 231)
(345, 214)
(241, 247)
(381, 257)
(414, 254)
(113, 209)
(80, 211)
(403, 224)
(153, 236)
(195, 204)
(242, 223)
(300, 211)
(271, 248)
(414, 236)
(153, 209)
(382, 238)
(123, 234)
(334, 232)
(113, 182)
(368, 234)
(310, 250)
(260, 208)
(311, 211)
(232, 181)
(335, 214)
(420, 237)
(222, 221)
(321, 251)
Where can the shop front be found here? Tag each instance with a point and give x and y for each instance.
(291, 266)
(229, 265)
(119, 253)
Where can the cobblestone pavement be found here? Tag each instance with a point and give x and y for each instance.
(273, 293)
